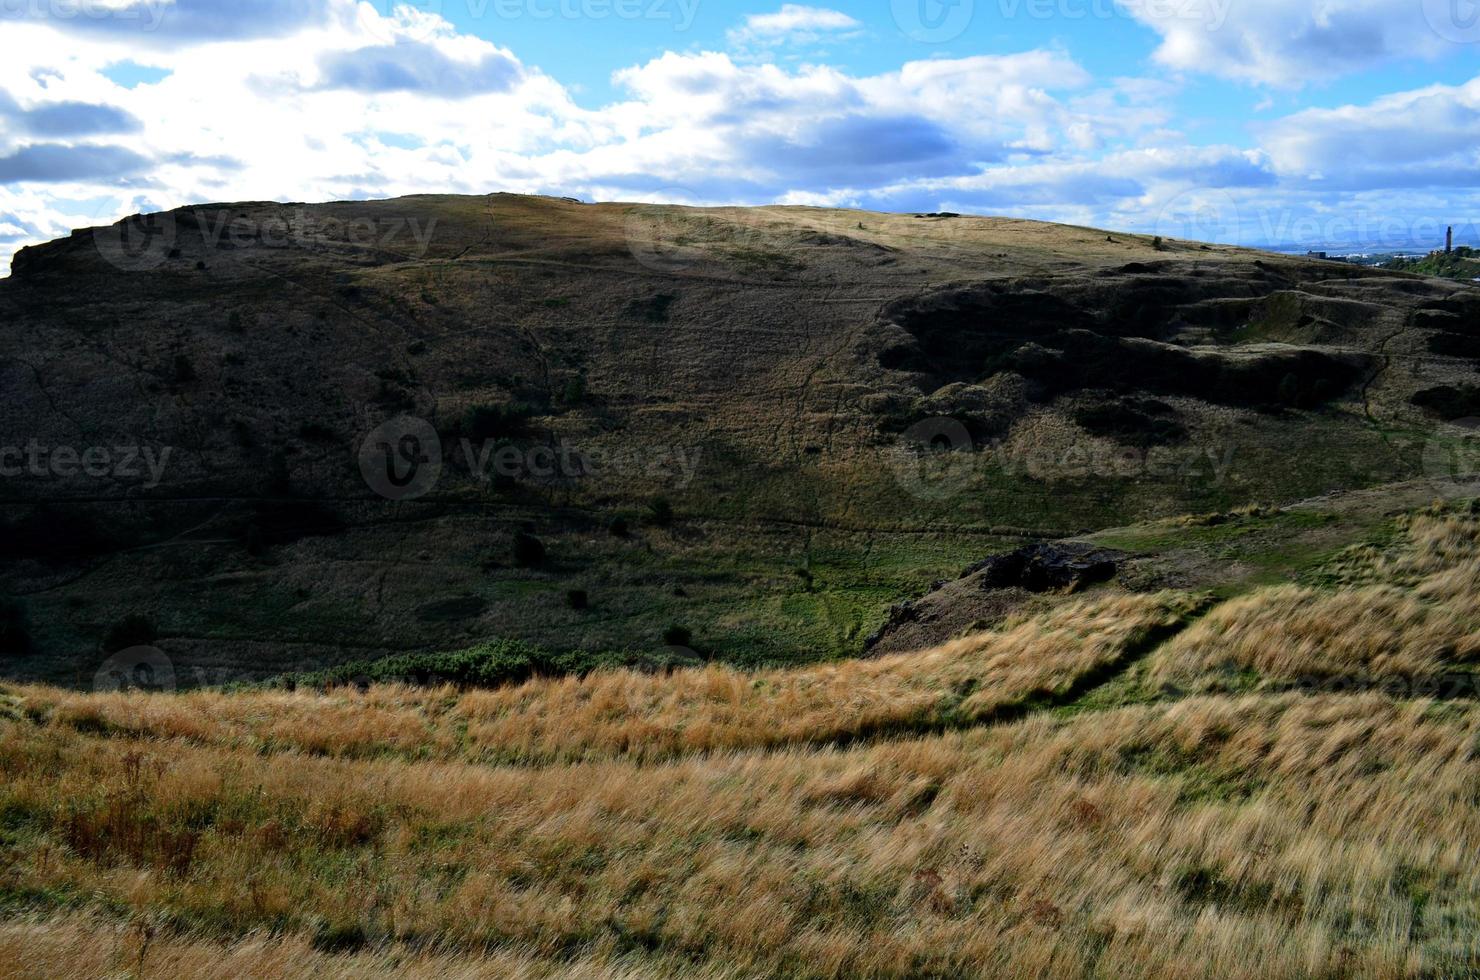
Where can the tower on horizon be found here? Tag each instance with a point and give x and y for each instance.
(1449, 240)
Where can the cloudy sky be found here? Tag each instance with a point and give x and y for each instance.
(1280, 122)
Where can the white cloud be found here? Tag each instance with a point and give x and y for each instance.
(350, 103)
(795, 24)
(1288, 43)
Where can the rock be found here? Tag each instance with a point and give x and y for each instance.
(1045, 568)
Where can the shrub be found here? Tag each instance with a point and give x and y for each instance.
(575, 391)
(618, 528)
(678, 636)
(578, 599)
(15, 634)
(660, 512)
(130, 631)
(490, 665)
(482, 423)
(1290, 390)
(183, 371)
(529, 551)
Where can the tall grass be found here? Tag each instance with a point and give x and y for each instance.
(851, 819)
(645, 716)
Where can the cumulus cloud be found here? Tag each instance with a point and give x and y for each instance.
(59, 163)
(65, 119)
(171, 21)
(1286, 43)
(416, 66)
(1427, 137)
(795, 24)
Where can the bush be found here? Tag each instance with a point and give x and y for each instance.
(529, 551)
(660, 512)
(15, 633)
(618, 528)
(483, 423)
(575, 391)
(183, 371)
(490, 665)
(1290, 390)
(130, 631)
(678, 636)
(578, 599)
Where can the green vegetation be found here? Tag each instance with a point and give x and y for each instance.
(1463, 263)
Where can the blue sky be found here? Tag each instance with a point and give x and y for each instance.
(1329, 123)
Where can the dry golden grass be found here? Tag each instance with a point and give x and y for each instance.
(1408, 612)
(626, 713)
(1266, 836)
(849, 820)
(84, 948)
(1291, 633)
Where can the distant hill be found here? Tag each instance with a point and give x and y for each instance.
(295, 436)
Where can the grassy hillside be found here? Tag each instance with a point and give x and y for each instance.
(1275, 778)
(725, 420)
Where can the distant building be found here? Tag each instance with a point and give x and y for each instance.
(1449, 240)
(1316, 255)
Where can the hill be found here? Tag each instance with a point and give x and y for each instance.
(643, 427)
(1274, 776)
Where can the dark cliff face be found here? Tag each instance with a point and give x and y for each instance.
(207, 394)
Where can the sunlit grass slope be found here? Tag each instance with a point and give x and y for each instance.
(980, 809)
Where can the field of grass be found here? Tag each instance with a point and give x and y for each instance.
(1117, 785)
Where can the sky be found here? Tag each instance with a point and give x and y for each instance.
(1287, 123)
